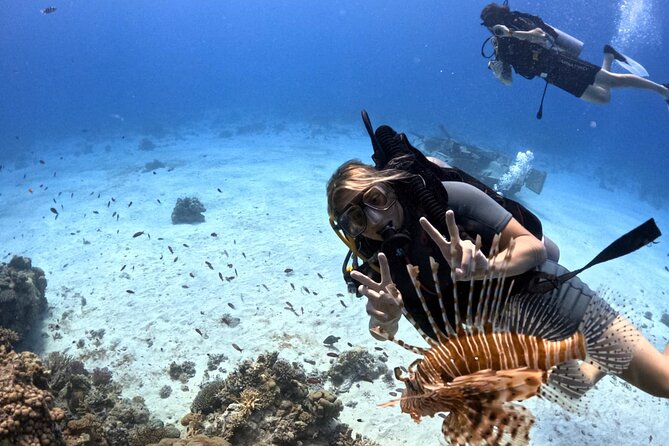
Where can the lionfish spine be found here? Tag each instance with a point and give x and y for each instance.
(437, 286)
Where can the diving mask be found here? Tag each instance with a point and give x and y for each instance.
(353, 220)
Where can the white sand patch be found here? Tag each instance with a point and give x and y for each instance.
(270, 215)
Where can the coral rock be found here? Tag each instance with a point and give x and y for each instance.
(22, 300)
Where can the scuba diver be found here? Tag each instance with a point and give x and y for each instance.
(391, 214)
(533, 48)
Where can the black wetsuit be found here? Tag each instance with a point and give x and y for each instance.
(569, 73)
(475, 213)
(528, 59)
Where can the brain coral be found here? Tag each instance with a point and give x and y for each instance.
(27, 413)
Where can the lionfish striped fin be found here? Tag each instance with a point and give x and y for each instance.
(566, 386)
(611, 338)
(388, 337)
(488, 417)
(441, 336)
(437, 286)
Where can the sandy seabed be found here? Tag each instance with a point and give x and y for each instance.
(265, 199)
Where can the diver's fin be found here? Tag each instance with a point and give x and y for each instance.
(626, 62)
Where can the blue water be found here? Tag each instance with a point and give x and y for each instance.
(91, 63)
(104, 69)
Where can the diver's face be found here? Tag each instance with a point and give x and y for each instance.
(370, 212)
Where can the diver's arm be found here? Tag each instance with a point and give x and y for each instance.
(527, 253)
(537, 35)
(519, 251)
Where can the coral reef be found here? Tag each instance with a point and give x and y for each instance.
(146, 145)
(22, 298)
(188, 210)
(95, 414)
(268, 402)
(28, 415)
(198, 440)
(153, 165)
(182, 372)
(354, 365)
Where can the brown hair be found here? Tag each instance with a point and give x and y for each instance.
(355, 176)
(494, 14)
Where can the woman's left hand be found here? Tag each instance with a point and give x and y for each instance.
(501, 31)
(465, 258)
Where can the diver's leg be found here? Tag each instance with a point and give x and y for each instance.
(606, 79)
(596, 94)
(608, 60)
(649, 369)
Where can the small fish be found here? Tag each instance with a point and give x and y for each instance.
(159, 202)
(184, 286)
(219, 189)
(331, 340)
(220, 276)
(42, 162)
(137, 234)
(192, 275)
(170, 249)
(265, 286)
(185, 245)
(288, 270)
(175, 259)
(244, 254)
(231, 305)
(306, 290)
(130, 291)
(114, 214)
(45, 11)
(236, 347)
(108, 203)
(292, 285)
(332, 354)
(123, 267)
(309, 361)
(54, 211)
(30, 189)
(342, 303)
(96, 212)
(213, 234)
(113, 199)
(314, 380)
(199, 332)
(320, 275)
(129, 204)
(208, 263)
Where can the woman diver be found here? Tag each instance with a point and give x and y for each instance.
(380, 213)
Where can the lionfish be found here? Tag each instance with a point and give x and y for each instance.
(506, 348)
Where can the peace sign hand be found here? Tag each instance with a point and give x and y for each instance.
(384, 301)
(465, 258)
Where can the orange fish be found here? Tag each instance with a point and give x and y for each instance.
(501, 350)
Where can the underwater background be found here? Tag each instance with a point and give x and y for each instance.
(250, 105)
(160, 64)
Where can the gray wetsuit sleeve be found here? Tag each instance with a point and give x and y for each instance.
(475, 211)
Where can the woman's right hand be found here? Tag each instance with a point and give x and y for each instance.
(384, 301)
